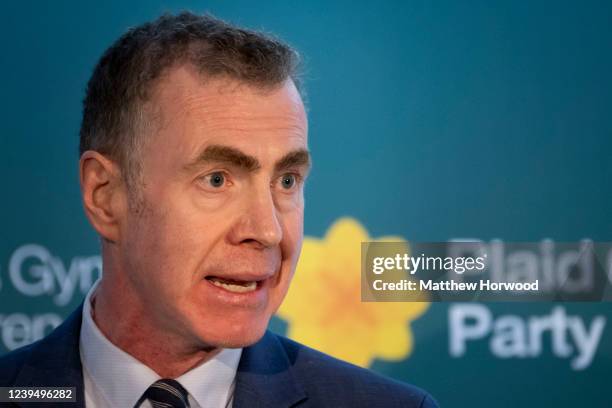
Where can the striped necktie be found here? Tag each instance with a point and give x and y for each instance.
(166, 393)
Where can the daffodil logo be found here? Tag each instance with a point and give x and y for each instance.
(324, 309)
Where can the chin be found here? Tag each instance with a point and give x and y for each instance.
(236, 336)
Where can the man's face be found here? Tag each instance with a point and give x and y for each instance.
(213, 251)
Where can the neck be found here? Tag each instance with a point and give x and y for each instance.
(124, 321)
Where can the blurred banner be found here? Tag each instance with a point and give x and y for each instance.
(429, 121)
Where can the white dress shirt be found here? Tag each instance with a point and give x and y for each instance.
(113, 378)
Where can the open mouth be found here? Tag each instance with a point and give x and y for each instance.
(232, 285)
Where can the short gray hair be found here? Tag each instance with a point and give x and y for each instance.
(123, 78)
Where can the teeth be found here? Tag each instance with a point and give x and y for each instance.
(242, 288)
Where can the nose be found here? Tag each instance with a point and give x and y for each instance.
(259, 224)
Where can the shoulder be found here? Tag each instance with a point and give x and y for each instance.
(56, 353)
(12, 363)
(352, 385)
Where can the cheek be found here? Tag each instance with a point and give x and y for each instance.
(290, 203)
(293, 230)
(290, 247)
(166, 248)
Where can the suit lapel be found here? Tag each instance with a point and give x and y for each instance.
(264, 377)
(56, 362)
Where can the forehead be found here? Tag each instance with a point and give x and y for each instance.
(195, 110)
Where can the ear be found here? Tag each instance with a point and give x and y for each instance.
(103, 193)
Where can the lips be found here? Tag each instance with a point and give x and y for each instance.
(233, 285)
(239, 282)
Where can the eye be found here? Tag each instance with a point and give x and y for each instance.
(288, 181)
(215, 180)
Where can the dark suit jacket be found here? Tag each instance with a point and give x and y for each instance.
(274, 372)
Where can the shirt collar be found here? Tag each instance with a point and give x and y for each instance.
(122, 379)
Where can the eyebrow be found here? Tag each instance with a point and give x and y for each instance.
(225, 154)
(232, 156)
(296, 158)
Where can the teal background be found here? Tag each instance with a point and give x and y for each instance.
(428, 119)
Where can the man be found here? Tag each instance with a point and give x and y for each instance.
(193, 160)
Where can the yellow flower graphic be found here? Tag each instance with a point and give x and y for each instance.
(324, 309)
